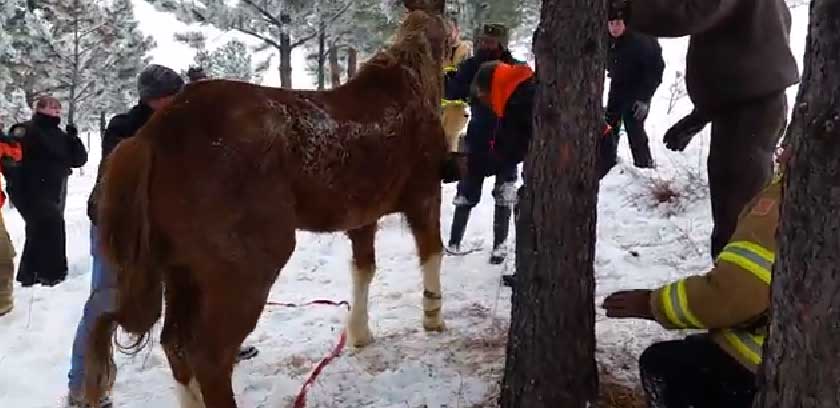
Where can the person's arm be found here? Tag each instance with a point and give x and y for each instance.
(458, 85)
(677, 18)
(653, 67)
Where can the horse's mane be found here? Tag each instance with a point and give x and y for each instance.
(412, 50)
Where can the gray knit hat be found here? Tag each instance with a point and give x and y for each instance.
(157, 81)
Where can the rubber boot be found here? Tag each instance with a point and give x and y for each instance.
(501, 226)
(459, 225)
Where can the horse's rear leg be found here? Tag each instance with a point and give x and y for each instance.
(176, 336)
(363, 269)
(424, 221)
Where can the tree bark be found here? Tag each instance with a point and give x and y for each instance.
(335, 69)
(802, 356)
(285, 61)
(352, 62)
(322, 56)
(551, 345)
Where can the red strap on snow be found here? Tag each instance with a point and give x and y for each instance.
(300, 401)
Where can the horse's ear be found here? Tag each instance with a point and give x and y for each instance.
(436, 6)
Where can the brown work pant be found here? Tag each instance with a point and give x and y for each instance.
(7, 268)
(740, 164)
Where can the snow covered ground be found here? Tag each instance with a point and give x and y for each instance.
(641, 243)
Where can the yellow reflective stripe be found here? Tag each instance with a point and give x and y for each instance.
(751, 257)
(684, 309)
(450, 68)
(748, 345)
(668, 304)
(448, 102)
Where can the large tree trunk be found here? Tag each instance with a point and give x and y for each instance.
(285, 61)
(551, 346)
(335, 68)
(802, 356)
(352, 62)
(322, 56)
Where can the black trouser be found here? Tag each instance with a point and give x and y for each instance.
(44, 257)
(740, 163)
(637, 137)
(469, 195)
(694, 373)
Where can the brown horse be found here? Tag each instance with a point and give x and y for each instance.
(205, 200)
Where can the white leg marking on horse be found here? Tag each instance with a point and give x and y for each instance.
(432, 301)
(190, 396)
(357, 328)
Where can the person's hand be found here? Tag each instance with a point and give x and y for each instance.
(681, 133)
(640, 110)
(629, 304)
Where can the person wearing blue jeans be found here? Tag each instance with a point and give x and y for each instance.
(157, 87)
(102, 300)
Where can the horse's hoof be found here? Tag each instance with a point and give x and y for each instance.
(434, 325)
(359, 340)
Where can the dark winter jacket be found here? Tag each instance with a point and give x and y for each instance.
(635, 68)
(483, 122)
(120, 127)
(739, 49)
(49, 154)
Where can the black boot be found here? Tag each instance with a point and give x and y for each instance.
(459, 225)
(501, 226)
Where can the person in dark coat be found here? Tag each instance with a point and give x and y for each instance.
(492, 46)
(738, 66)
(635, 67)
(48, 155)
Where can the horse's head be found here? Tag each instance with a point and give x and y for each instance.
(427, 17)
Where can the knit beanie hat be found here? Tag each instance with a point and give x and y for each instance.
(157, 81)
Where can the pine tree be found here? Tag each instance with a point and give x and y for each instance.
(551, 347)
(279, 24)
(232, 61)
(802, 355)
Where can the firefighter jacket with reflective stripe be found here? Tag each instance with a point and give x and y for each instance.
(460, 52)
(732, 300)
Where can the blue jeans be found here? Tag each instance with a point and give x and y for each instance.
(102, 300)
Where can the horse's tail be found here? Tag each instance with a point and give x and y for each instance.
(124, 232)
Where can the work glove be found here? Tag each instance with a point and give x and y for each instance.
(71, 130)
(640, 110)
(680, 135)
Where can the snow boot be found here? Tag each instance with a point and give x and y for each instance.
(247, 353)
(501, 226)
(459, 225)
(79, 402)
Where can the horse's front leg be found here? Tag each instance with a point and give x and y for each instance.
(363, 269)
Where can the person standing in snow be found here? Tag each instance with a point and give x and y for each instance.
(738, 65)
(48, 155)
(492, 46)
(635, 67)
(717, 368)
(157, 87)
(10, 157)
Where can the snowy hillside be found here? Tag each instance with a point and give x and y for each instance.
(641, 243)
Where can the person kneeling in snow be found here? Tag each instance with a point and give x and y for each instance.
(717, 368)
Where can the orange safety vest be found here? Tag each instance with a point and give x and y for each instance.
(13, 150)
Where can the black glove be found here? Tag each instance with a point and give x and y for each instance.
(71, 130)
(680, 135)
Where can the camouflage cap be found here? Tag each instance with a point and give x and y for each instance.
(495, 30)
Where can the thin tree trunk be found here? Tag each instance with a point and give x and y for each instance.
(285, 61)
(352, 62)
(802, 355)
(322, 56)
(335, 69)
(74, 83)
(551, 346)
